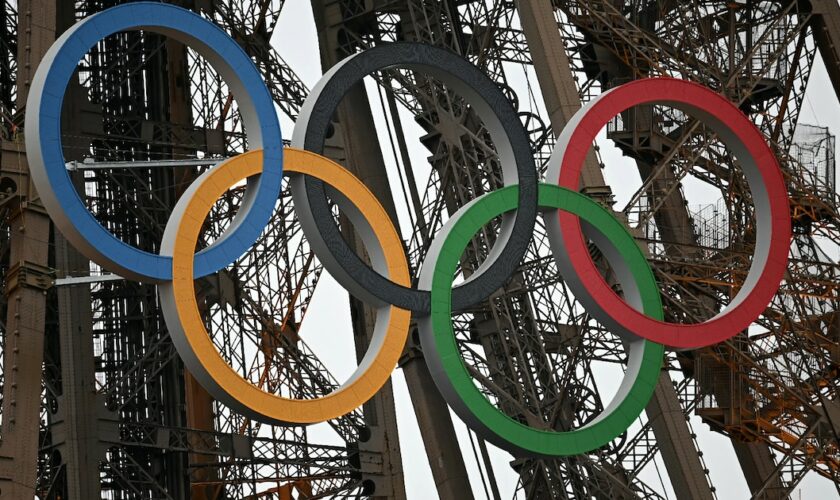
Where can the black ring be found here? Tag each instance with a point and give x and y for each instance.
(509, 137)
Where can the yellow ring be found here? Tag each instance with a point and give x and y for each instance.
(190, 334)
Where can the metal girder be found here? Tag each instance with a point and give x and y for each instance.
(23, 347)
(355, 127)
(76, 428)
(562, 101)
(826, 29)
(435, 422)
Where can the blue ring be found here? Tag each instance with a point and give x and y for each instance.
(230, 60)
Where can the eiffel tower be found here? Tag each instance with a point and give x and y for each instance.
(96, 402)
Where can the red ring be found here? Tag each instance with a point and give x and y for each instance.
(698, 99)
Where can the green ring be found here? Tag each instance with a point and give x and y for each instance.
(450, 372)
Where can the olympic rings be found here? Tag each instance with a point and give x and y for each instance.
(637, 318)
(186, 325)
(504, 127)
(46, 157)
(454, 380)
(764, 177)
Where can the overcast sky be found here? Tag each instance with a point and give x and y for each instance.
(327, 326)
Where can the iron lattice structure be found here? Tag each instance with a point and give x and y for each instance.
(119, 416)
